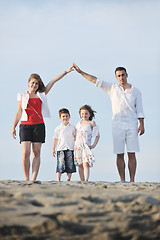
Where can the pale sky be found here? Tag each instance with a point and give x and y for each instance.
(45, 37)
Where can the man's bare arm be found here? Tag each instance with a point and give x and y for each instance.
(89, 77)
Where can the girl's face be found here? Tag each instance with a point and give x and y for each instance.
(33, 85)
(85, 115)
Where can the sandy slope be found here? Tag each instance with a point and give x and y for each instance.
(79, 210)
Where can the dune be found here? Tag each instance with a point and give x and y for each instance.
(79, 210)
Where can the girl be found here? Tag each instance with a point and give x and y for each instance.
(85, 129)
(32, 106)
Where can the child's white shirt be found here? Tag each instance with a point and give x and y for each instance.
(65, 136)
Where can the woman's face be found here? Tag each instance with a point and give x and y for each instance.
(33, 85)
(85, 115)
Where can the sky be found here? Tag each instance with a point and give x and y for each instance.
(45, 37)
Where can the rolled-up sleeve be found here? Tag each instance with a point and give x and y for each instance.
(139, 106)
(106, 86)
(98, 83)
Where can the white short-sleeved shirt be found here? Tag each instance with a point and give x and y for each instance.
(65, 136)
(126, 104)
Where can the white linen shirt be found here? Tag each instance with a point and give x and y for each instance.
(126, 104)
(65, 136)
(24, 97)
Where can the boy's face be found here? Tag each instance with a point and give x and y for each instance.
(121, 77)
(65, 118)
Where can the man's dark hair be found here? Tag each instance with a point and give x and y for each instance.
(120, 69)
(63, 110)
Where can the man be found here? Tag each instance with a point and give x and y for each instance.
(127, 110)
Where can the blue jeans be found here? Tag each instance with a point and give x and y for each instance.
(65, 161)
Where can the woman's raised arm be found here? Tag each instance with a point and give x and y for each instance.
(57, 78)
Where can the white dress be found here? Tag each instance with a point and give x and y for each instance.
(82, 152)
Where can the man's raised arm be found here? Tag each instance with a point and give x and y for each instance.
(89, 77)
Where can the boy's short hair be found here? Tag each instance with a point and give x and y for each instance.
(120, 69)
(63, 110)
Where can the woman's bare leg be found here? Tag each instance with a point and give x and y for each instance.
(26, 150)
(36, 150)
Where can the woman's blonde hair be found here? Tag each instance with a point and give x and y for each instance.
(41, 87)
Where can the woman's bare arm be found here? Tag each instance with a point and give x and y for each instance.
(56, 79)
(16, 119)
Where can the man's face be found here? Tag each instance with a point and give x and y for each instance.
(121, 77)
(65, 118)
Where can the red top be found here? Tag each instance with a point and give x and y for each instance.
(33, 111)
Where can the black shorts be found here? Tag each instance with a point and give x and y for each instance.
(32, 133)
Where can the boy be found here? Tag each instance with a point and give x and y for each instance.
(63, 138)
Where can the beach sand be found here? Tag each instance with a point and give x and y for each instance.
(79, 210)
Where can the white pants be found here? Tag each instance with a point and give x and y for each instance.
(122, 137)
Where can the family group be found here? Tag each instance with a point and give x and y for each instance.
(74, 144)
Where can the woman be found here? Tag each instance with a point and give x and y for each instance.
(32, 106)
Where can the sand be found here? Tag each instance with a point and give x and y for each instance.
(79, 210)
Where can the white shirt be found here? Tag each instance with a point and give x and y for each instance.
(126, 104)
(65, 136)
(24, 97)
